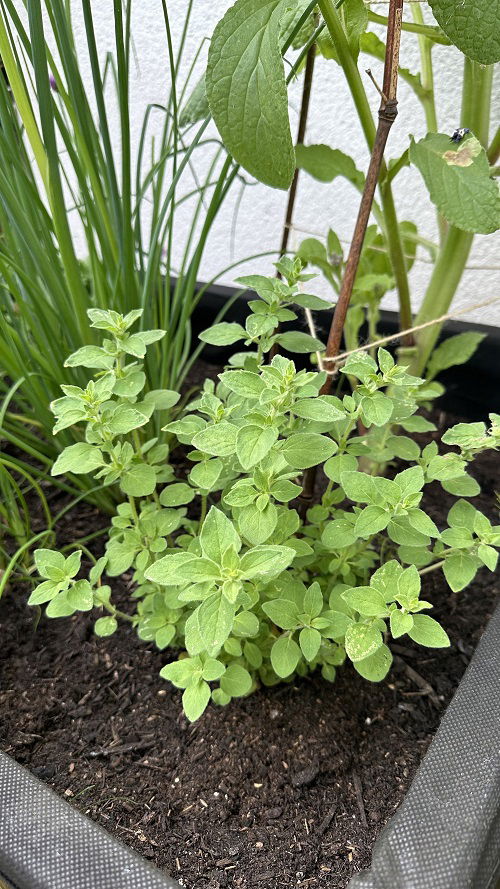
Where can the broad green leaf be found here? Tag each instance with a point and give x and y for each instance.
(313, 600)
(246, 623)
(215, 622)
(266, 561)
(325, 164)
(310, 642)
(80, 596)
(426, 631)
(400, 624)
(472, 25)
(206, 474)
(105, 626)
(236, 681)
(257, 525)
(377, 409)
(453, 351)
(196, 107)
(139, 480)
(359, 487)
(176, 494)
(338, 464)
(60, 607)
(338, 534)
(79, 458)
(285, 655)
(246, 90)
(50, 564)
(217, 535)
(366, 600)
(361, 641)
(282, 612)
(195, 700)
(253, 443)
(181, 673)
(224, 334)
(419, 520)
(212, 670)
(298, 341)
(168, 571)
(458, 179)
(253, 654)
(376, 666)
(305, 449)
(371, 520)
(319, 409)
(90, 356)
(218, 440)
(459, 569)
(488, 556)
(243, 382)
(44, 592)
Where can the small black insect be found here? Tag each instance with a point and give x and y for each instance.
(459, 134)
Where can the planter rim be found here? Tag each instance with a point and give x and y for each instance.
(446, 833)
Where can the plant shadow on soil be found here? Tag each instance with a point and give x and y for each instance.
(289, 787)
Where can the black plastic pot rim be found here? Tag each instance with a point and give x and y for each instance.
(446, 834)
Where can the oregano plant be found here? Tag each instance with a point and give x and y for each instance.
(242, 584)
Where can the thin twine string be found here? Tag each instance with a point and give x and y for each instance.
(322, 360)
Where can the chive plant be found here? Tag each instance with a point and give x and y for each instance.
(60, 172)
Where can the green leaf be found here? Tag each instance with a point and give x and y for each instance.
(246, 623)
(180, 673)
(359, 487)
(253, 654)
(266, 561)
(285, 655)
(223, 334)
(79, 458)
(256, 525)
(105, 626)
(246, 90)
(90, 356)
(80, 596)
(253, 443)
(400, 624)
(305, 449)
(195, 700)
(376, 666)
(377, 409)
(310, 642)
(217, 535)
(206, 474)
(419, 520)
(218, 440)
(44, 592)
(426, 631)
(282, 612)
(243, 382)
(215, 621)
(472, 25)
(212, 670)
(453, 351)
(459, 569)
(366, 600)
(488, 556)
(371, 520)
(50, 564)
(236, 681)
(361, 641)
(196, 107)
(458, 179)
(168, 571)
(319, 409)
(139, 480)
(313, 600)
(177, 494)
(338, 464)
(59, 606)
(338, 534)
(325, 164)
(297, 341)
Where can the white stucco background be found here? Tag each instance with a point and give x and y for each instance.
(252, 222)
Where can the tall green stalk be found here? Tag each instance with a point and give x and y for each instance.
(453, 256)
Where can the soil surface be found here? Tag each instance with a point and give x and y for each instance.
(288, 788)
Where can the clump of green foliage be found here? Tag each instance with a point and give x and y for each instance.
(251, 591)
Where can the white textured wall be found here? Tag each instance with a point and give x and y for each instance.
(332, 120)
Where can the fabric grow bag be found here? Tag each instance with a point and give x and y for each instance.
(446, 834)
(46, 844)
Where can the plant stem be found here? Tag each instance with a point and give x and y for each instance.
(494, 149)
(427, 99)
(452, 259)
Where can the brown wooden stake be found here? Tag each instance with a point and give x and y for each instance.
(386, 116)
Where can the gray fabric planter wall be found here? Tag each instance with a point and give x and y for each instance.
(446, 835)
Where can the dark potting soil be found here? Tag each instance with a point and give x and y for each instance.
(289, 787)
